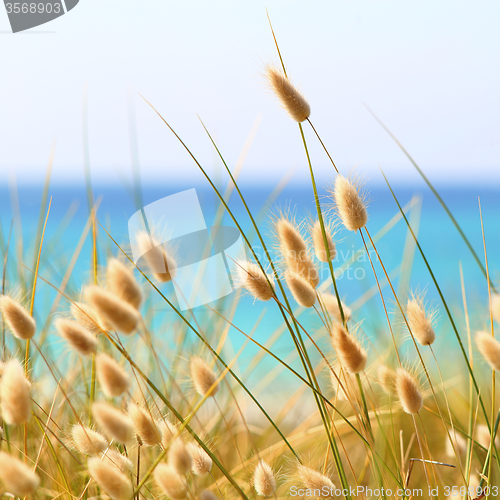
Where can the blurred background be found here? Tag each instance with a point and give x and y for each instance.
(429, 70)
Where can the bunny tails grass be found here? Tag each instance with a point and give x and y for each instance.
(314, 480)
(319, 242)
(264, 480)
(118, 313)
(115, 423)
(121, 281)
(350, 203)
(489, 347)
(17, 478)
(302, 290)
(259, 284)
(203, 377)
(291, 99)
(201, 461)
(88, 441)
(145, 426)
(349, 351)
(419, 321)
(112, 377)
(15, 394)
(179, 457)
(21, 324)
(171, 483)
(408, 391)
(160, 262)
(114, 482)
(77, 336)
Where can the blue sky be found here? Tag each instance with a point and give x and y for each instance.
(429, 69)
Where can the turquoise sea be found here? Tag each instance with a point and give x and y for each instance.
(443, 247)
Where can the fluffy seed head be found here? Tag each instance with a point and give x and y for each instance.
(201, 461)
(77, 336)
(179, 457)
(114, 422)
(21, 324)
(17, 477)
(483, 436)
(349, 351)
(351, 206)
(121, 281)
(112, 377)
(207, 495)
(489, 347)
(203, 376)
(121, 315)
(387, 379)
(88, 441)
(145, 426)
(332, 306)
(264, 481)
(313, 480)
(303, 292)
(118, 460)
(459, 444)
(419, 321)
(408, 392)
(254, 280)
(294, 250)
(161, 263)
(114, 482)
(319, 242)
(88, 318)
(495, 307)
(291, 99)
(167, 430)
(15, 392)
(170, 482)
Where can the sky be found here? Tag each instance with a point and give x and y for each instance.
(429, 69)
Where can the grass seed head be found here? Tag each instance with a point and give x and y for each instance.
(88, 441)
(112, 377)
(302, 290)
(114, 422)
(115, 311)
(17, 477)
(15, 393)
(319, 242)
(314, 480)
(207, 495)
(88, 318)
(408, 391)
(332, 306)
(349, 351)
(489, 347)
(264, 480)
(78, 337)
(145, 426)
(259, 284)
(160, 262)
(387, 379)
(179, 457)
(419, 321)
(201, 461)
(291, 99)
(121, 281)
(167, 430)
(171, 483)
(114, 482)
(203, 376)
(21, 324)
(118, 460)
(350, 203)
